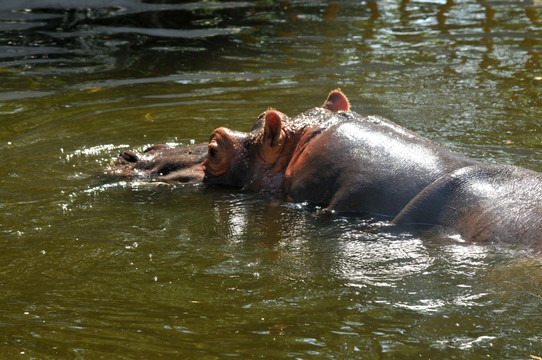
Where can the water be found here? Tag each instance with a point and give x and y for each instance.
(93, 267)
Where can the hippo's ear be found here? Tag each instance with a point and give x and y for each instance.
(272, 133)
(336, 101)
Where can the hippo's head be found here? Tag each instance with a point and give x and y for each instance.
(253, 160)
(257, 160)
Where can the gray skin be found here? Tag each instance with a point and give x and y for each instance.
(343, 162)
(366, 164)
(484, 203)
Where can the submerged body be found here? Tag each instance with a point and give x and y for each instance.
(344, 162)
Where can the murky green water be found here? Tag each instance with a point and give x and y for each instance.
(92, 267)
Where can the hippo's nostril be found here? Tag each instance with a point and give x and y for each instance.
(129, 156)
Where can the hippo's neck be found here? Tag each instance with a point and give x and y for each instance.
(298, 132)
(269, 177)
(265, 179)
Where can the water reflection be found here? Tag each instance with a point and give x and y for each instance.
(381, 262)
(104, 33)
(429, 274)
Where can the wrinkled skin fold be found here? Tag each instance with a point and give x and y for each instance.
(344, 162)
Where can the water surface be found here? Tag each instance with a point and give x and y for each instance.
(94, 267)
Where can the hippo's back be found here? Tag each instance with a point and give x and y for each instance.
(486, 203)
(366, 164)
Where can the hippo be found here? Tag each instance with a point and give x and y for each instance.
(346, 163)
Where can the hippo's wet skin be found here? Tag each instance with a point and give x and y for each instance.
(344, 162)
(163, 163)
